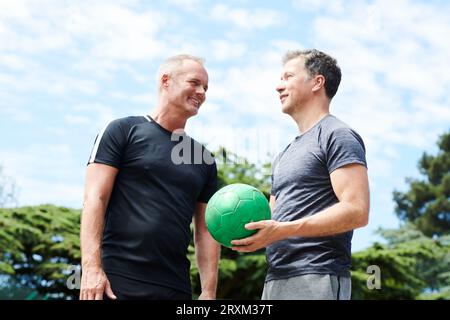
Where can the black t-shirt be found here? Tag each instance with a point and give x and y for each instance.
(146, 232)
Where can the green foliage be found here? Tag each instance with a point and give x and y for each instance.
(37, 247)
(410, 264)
(427, 202)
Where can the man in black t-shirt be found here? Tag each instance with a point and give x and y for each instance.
(142, 192)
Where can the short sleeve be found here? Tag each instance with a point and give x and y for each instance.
(109, 145)
(274, 164)
(210, 186)
(344, 146)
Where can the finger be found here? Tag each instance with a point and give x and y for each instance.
(243, 242)
(84, 295)
(238, 242)
(109, 291)
(90, 295)
(241, 249)
(254, 225)
(98, 295)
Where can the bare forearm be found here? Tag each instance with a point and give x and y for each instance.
(91, 233)
(207, 252)
(339, 218)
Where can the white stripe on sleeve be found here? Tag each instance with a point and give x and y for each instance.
(97, 143)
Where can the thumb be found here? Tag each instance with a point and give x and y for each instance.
(109, 291)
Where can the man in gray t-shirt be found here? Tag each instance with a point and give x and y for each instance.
(319, 193)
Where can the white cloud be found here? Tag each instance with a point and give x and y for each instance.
(147, 98)
(99, 68)
(13, 62)
(56, 131)
(117, 32)
(99, 114)
(106, 29)
(227, 49)
(36, 192)
(247, 91)
(45, 174)
(76, 119)
(16, 114)
(189, 5)
(282, 47)
(319, 6)
(40, 78)
(14, 9)
(246, 19)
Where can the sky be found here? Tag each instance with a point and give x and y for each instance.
(67, 68)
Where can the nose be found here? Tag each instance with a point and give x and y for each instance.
(200, 92)
(280, 87)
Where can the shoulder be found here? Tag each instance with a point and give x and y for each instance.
(129, 121)
(277, 158)
(333, 129)
(125, 124)
(331, 124)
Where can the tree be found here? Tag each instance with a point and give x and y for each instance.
(414, 262)
(427, 202)
(38, 247)
(411, 265)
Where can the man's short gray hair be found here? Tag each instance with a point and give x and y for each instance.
(173, 64)
(318, 62)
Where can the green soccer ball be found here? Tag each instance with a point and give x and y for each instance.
(230, 208)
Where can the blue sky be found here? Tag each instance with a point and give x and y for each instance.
(69, 67)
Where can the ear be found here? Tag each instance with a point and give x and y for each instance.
(164, 81)
(319, 82)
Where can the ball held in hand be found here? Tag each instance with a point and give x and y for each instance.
(233, 206)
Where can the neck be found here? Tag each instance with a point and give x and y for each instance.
(168, 118)
(308, 116)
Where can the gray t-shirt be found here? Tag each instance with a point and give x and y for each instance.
(302, 187)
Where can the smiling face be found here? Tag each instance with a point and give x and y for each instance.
(186, 87)
(295, 88)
